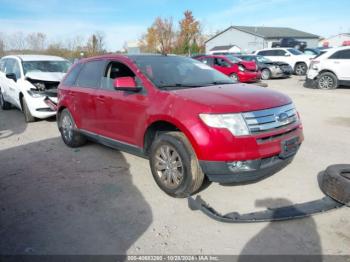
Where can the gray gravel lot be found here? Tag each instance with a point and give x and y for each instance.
(95, 200)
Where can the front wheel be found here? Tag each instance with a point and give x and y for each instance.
(174, 165)
(327, 81)
(234, 77)
(300, 69)
(71, 137)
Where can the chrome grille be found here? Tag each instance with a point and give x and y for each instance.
(270, 119)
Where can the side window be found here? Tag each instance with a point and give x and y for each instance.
(91, 74)
(267, 53)
(343, 54)
(113, 71)
(279, 52)
(207, 60)
(72, 75)
(12, 67)
(221, 62)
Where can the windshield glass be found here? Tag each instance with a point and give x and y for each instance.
(294, 51)
(46, 66)
(172, 72)
(262, 59)
(233, 58)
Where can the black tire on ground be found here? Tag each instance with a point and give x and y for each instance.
(4, 104)
(27, 115)
(234, 77)
(335, 182)
(265, 74)
(300, 69)
(68, 129)
(327, 81)
(192, 175)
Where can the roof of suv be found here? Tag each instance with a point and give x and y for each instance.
(37, 57)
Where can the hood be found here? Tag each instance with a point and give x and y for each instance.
(45, 76)
(250, 65)
(233, 98)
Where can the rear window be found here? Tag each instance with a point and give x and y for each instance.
(91, 74)
(72, 75)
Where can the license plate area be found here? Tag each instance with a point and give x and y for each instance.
(289, 147)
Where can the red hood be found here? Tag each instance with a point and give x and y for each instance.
(250, 65)
(233, 98)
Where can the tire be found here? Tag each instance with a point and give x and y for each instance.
(181, 176)
(27, 115)
(4, 104)
(327, 81)
(265, 74)
(234, 77)
(335, 182)
(300, 69)
(68, 129)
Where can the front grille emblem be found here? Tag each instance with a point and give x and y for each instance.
(283, 117)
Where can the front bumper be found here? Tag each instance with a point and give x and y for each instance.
(249, 77)
(219, 171)
(276, 73)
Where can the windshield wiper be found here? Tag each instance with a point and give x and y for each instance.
(219, 83)
(178, 85)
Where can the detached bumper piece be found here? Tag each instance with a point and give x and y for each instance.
(274, 214)
(334, 182)
(52, 105)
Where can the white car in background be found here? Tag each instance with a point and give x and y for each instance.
(295, 58)
(29, 82)
(330, 69)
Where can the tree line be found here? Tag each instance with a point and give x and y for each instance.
(163, 37)
(37, 42)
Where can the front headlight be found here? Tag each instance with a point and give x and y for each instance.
(35, 93)
(241, 68)
(233, 122)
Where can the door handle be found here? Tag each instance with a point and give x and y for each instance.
(336, 62)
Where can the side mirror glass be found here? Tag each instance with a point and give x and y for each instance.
(12, 76)
(126, 83)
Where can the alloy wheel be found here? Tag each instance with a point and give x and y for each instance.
(326, 82)
(169, 166)
(67, 128)
(300, 69)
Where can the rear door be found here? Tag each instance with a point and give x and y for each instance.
(340, 63)
(83, 95)
(120, 114)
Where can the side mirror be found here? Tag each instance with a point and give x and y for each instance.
(126, 83)
(12, 76)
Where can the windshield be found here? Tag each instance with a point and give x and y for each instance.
(294, 51)
(46, 66)
(173, 72)
(262, 59)
(233, 59)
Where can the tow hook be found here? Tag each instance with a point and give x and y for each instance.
(334, 183)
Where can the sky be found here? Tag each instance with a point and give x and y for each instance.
(127, 20)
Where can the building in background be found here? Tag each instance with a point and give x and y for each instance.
(225, 49)
(133, 47)
(251, 38)
(336, 40)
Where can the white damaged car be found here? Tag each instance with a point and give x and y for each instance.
(29, 82)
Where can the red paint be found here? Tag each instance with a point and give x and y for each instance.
(126, 116)
(251, 73)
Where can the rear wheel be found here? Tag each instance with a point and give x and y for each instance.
(327, 81)
(27, 115)
(265, 74)
(300, 69)
(71, 137)
(4, 104)
(174, 165)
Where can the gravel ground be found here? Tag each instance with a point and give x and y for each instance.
(95, 200)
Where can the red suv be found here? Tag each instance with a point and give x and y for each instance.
(190, 120)
(234, 67)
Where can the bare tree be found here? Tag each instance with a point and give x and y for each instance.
(2, 45)
(17, 41)
(36, 41)
(165, 34)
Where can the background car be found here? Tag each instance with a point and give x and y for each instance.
(295, 58)
(269, 69)
(329, 70)
(234, 67)
(290, 42)
(29, 82)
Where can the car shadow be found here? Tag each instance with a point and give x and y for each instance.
(292, 238)
(63, 201)
(11, 123)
